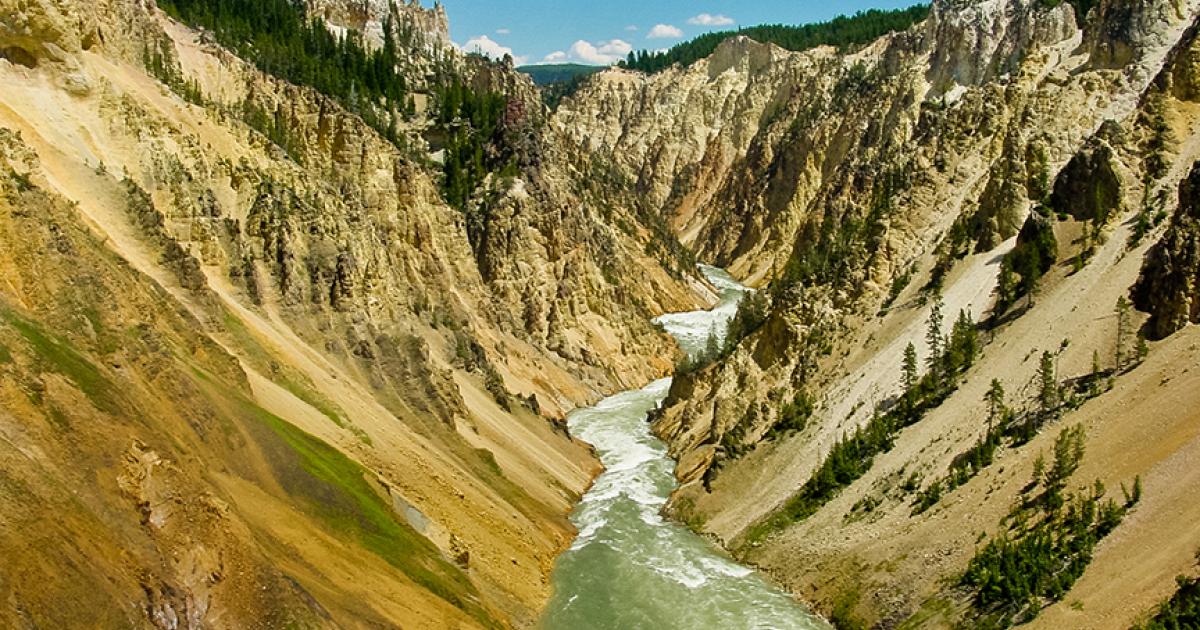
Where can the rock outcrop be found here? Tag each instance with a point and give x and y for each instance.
(1169, 288)
(854, 187)
(1089, 187)
(340, 317)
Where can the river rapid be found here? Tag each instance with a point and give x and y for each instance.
(630, 568)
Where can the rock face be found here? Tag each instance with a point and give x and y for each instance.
(759, 137)
(250, 284)
(976, 43)
(853, 187)
(1089, 187)
(1169, 288)
(934, 142)
(429, 27)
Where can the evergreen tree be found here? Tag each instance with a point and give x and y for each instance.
(712, 347)
(963, 346)
(1048, 385)
(1006, 287)
(1123, 330)
(997, 410)
(1068, 453)
(910, 369)
(933, 337)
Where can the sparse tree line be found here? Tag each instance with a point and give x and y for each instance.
(284, 41)
(1011, 427)
(949, 356)
(851, 456)
(1048, 540)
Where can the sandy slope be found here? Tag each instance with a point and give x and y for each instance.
(894, 558)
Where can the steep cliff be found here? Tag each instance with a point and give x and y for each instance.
(862, 188)
(319, 393)
(1170, 281)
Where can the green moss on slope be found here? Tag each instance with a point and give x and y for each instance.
(334, 489)
(56, 355)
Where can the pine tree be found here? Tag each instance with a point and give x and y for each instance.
(1068, 453)
(933, 337)
(1142, 350)
(963, 346)
(997, 411)
(910, 368)
(712, 348)
(1006, 287)
(1123, 329)
(1048, 391)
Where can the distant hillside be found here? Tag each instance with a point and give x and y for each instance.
(558, 73)
(843, 31)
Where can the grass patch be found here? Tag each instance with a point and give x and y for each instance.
(931, 611)
(335, 490)
(843, 616)
(56, 355)
(314, 400)
(58, 418)
(5, 355)
(489, 460)
(256, 353)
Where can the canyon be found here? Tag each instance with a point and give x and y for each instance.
(263, 365)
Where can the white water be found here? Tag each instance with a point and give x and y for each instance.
(629, 568)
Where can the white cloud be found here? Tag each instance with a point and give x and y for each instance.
(631, 28)
(664, 31)
(485, 46)
(603, 53)
(707, 19)
(504, 31)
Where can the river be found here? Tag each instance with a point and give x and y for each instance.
(630, 568)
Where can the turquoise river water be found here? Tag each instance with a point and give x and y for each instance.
(630, 568)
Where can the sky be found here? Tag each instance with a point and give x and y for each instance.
(603, 31)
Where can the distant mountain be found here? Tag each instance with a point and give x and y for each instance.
(558, 73)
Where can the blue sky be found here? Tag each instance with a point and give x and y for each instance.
(601, 31)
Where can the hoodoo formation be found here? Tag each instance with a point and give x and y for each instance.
(310, 317)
